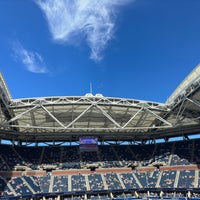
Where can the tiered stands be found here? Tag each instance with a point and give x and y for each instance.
(60, 184)
(9, 157)
(186, 179)
(44, 184)
(168, 179)
(112, 181)
(155, 169)
(108, 156)
(142, 177)
(78, 182)
(95, 182)
(31, 156)
(33, 182)
(152, 179)
(19, 186)
(130, 181)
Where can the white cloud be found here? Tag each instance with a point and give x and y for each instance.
(32, 61)
(93, 20)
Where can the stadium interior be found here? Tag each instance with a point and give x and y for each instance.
(96, 147)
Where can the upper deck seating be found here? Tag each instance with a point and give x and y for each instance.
(95, 182)
(60, 184)
(44, 184)
(129, 181)
(33, 182)
(78, 182)
(112, 181)
(186, 179)
(168, 179)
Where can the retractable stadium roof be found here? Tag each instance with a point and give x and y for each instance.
(67, 118)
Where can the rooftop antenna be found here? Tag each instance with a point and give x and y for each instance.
(90, 87)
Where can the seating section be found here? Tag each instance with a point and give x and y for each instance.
(152, 179)
(129, 181)
(78, 182)
(44, 184)
(168, 179)
(143, 153)
(112, 160)
(108, 156)
(186, 179)
(25, 185)
(176, 160)
(70, 154)
(20, 187)
(31, 156)
(60, 184)
(89, 157)
(2, 185)
(163, 152)
(196, 151)
(95, 182)
(33, 182)
(9, 158)
(112, 181)
(51, 155)
(184, 151)
(142, 177)
(7, 192)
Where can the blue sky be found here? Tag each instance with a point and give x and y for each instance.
(139, 49)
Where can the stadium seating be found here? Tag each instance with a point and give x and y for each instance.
(177, 169)
(95, 182)
(98, 182)
(108, 156)
(168, 179)
(112, 181)
(60, 184)
(78, 182)
(129, 181)
(186, 179)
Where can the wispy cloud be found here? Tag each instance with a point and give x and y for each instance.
(32, 61)
(93, 20)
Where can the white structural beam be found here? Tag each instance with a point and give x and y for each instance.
(108, 116)
(77, 118)
(159, 118)
(132, 118)
(53, 117)
(20, 115)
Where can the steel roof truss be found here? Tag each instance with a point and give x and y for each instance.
(142, 118)
(20, 115)
(108, 116)
(194, 102)
(158, 117)
(180, 111)
(71, 123)
(127, 123)
(53, 117)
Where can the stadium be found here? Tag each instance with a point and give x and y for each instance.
(97, 147)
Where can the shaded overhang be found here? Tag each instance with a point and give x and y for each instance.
(67, 118)
(61, 118)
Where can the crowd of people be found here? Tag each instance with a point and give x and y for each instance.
(179, 153)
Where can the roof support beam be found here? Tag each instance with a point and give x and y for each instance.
(53, 117)
(194, 102)
(160, 118)
(108, 116)
(128, 122)
(71, 123)
(180, 111)
(20, 115)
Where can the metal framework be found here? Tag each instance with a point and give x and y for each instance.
(115, 119)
